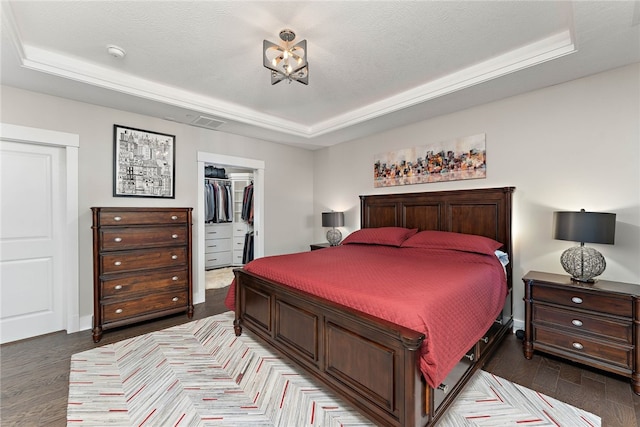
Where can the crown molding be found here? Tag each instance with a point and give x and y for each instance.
(71, 68)
(527, 56)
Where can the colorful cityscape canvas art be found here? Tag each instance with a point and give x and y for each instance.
(452, 160)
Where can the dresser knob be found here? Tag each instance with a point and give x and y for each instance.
(484, 339)
(174, 278)
(174, 256)
(576, 300)
(117, 287)
(174, 236)
(174, 299)
(577, 346)
(117, 263)
(174, 217)
(117, 218)
(118, 239)
(470, 356)
(576, 322)
(118, 311)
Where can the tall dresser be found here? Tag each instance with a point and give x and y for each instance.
(141, 265)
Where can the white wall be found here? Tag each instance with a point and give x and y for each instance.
(288, 171)
(571, 146)
(567, 147)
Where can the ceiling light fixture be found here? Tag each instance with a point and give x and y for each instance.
(286, 62)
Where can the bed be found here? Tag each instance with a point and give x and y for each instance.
(382, 366)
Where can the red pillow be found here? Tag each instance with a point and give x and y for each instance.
(388, 236)
(456, 241)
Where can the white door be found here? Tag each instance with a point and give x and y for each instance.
(32, 196)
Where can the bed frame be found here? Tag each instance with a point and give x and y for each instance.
(369, 362)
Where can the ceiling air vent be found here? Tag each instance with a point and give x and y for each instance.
(207, 122)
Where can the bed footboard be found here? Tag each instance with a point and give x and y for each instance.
(368, 362)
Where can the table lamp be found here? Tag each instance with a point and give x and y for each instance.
(581, 262)
(333, 219)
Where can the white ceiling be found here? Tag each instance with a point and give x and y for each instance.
(373, 65)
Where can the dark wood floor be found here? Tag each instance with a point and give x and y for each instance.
(34, 374)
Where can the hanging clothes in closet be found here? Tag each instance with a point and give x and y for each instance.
(218, 206)
(247, 204)
(247, 216)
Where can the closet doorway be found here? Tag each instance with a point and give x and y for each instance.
(252, 166)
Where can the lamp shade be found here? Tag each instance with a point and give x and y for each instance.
(332, 219)
(585, 227)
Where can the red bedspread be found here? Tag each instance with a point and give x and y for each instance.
(452, 297)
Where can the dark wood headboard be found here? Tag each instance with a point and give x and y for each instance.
(484, 211)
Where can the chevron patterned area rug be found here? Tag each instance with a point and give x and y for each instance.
(201, 374)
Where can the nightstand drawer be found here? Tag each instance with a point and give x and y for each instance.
(576, 298)
(619, 355)
(583, 323)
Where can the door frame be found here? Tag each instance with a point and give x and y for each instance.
(257, 167)
(70, 274)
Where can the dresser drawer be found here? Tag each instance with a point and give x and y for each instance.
(617, 305)
(583, 323)
(239, 229)
(125, 286)
(217, 231)
(608, 352)
(217, 245)
(123, 309)
(237, 257)
(142, 237)
(218, 259)
(141, 217)
(117, 262)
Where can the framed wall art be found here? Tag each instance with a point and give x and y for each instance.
(143, 163)
(452, 160)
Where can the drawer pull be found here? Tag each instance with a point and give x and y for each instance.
(470, 356)
(118, 311)
(174, 236)
(117, 218)
(175, 299)
(174, 278)
(118, 239)
(174, 217)
(484, 339)
(174, 256)
(577, 346)
(576, 322)
(117, 287)
(444, 388)
(576, 300)
(117, 263)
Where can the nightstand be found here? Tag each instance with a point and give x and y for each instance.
(594, 324)
(315, 246)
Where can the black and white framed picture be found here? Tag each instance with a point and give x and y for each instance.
(143, 163)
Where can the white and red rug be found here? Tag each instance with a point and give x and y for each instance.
(201, 374)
